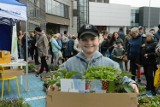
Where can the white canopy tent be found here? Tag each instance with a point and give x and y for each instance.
(16, 11)
(13, 9)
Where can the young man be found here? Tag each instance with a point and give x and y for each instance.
(88, 38)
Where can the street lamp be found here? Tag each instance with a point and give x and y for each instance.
(149, 14)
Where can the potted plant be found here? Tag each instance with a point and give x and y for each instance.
(14, 102)
(31, 68)
(149, 101)
(109, 76)
(53, 67)
(60, 74)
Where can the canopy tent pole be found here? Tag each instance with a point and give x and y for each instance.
(27, 87)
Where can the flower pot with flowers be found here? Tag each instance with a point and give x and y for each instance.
(54, 82)
(13, 102)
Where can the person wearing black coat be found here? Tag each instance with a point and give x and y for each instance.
(134, 48)
(149, 63)
(105, 45)
(31, 44)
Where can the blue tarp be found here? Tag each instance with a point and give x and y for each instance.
(5, 37)
(13, 2)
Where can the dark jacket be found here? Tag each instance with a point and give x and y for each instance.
(150, 50)
(69, 48)
(105, 45)
(157, 35)
(117, 51)
(121, 35)
(134, 47)
(31, 42)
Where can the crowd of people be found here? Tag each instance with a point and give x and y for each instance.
(131, 50)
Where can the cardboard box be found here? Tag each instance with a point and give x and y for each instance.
(68, 99)
(12, 72)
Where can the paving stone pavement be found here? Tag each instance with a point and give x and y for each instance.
(35, 96)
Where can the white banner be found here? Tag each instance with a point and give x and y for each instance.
(13, 11)
(14, 49)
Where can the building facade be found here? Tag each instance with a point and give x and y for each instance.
(104, 16)
(134, 17)
(36, 15)
(58, 16)
(149, 16)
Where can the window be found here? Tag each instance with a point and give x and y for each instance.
(56, 8)
(106, 1)
(92, 0)
(66, 11)
(99, 1)
(75, 12)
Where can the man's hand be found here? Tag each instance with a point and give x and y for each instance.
(135, 88)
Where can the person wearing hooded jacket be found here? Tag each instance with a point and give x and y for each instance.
(88, 37)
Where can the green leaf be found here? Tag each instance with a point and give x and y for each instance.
(71, 74)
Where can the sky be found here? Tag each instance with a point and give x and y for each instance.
(138, 3)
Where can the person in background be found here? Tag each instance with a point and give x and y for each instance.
(121, 33)
(152, 31)
(36, 56)
(70, 47)
(157, 34)
(24, 46)
(42, 46)
(134, 50)
(141, 31)
(105, 44)
(126, 42)
(112, 43)
(20, 49)
(64, 43)
(88, 37)
(149, 63)
(118, 53)
(55, 49)
(50, 47)
(59, 40)
(76, 47)
(32, 45)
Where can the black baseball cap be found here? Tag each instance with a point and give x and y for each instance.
(88, 29)
(38, 29)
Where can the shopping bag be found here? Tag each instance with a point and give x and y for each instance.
(157, 78)
(125, 58)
